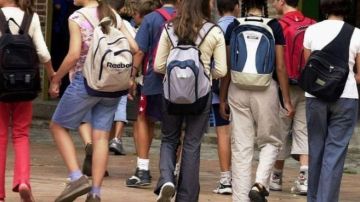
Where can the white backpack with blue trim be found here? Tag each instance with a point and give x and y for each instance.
(186, 85)
(252, 53)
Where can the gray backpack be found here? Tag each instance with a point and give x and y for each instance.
(186, 85)
(108, 63)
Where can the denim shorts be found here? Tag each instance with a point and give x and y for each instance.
(215, 118)
(120, 114)
(75, 104)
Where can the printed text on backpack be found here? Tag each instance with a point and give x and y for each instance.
(252, 53)
(19, 63)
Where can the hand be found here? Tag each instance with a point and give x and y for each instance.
(290, 110)
(132, 89)
(54, 88)
(224, 110)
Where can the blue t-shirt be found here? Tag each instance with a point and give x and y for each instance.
(223, 23)
(147, 39)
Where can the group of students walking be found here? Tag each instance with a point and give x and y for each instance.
(257, 96)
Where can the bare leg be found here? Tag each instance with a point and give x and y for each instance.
(65, 146)
(100, 156)
(224, 149)
(85, 132)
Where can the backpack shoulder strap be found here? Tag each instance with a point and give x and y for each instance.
(3, 25)
(169, 28)
(164, 14)
(88, 18)
(25, 24)
(340, 45)
(203, 32)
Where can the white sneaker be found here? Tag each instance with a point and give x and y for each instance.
(276, 181)
(223, 189)
(300, 185)
(167, 191)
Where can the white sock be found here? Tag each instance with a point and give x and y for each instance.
(143, 164)
(304, 168)
(225, 177)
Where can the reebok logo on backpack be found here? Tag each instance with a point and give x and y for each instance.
(186, 85)
(252, 53)
(19, 63)
(108, 63)
(294, 31)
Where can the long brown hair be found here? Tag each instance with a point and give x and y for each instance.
(190, 17)
(104, 10)
(25, 5)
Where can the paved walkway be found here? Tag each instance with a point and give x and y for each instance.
(49, 173)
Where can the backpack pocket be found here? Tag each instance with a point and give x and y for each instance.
(182, 82)
(324, 79)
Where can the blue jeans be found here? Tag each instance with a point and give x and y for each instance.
(188, 186)
(330, 127)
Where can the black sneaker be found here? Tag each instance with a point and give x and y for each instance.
(258, 196)
(87, 164)
(74, 189)
(141, 178)
(116, 146)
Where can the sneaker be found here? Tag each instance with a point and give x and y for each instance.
(74, 189)
(223, 189)
(167, 191)
(25, 193)
(87, 164)
(276, 182)
(300, 185)
(92, 198)
(116, 146)
(259, 194)
(141, 178)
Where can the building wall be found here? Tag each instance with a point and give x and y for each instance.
(42, 9)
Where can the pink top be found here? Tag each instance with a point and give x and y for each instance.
(86, 30)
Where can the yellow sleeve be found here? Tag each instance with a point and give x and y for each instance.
(162, 53)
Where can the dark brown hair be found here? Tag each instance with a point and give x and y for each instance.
(25, 5)
(335, 7)
(246, 5)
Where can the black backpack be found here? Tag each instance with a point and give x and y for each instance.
(19, 63)
(326, 71)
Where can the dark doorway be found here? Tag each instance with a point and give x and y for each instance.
(62, 9)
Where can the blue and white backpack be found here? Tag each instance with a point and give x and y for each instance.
(252, 53)
(186, 85)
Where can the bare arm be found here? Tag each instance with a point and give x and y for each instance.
(224, 87)
(357, 63)
(70, 60)
(283, 80)
(307, 53)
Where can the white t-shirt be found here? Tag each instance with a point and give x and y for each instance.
(317, 36)
(34, 30)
